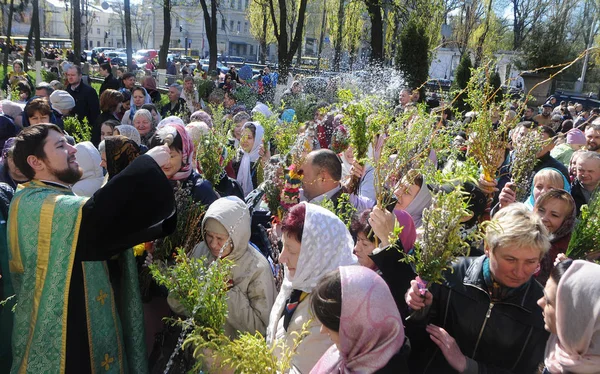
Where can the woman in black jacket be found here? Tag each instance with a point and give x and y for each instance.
(483, 317)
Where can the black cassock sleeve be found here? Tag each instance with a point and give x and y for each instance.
(134, 207)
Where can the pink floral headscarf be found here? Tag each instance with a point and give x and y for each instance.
(371, 330)
(187, 153)
(576, 346)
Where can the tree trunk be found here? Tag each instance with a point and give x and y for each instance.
(11, 11)
(374, 9)
(322, 36)
(77, 31)
(263, 39)
(481, 41)
(86, 31)
(128, 40)
(35, 23)
(337, 45)
(285, 54)
(164, 48)
(27, 49)
(210, 25)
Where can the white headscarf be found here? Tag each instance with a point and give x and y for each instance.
(244, 176)
(326, 244)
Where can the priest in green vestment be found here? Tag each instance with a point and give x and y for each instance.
(66, 318)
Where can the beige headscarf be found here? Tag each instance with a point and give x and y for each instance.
(576, 346)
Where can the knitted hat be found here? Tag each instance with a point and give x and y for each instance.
(62, 100)
(576, 136)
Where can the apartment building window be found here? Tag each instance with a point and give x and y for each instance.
(245, 26)
(98, 31)
(223, 24)
(98, 43)
(251, 49)
(232, 4)
(231, 25)
(239, 28)
(246, 4)
(240, 4)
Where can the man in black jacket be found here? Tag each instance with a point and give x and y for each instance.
(109, 80)
(86, 98)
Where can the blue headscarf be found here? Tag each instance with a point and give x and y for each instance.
(132, 108)
(530, 202)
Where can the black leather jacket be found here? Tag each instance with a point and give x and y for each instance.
(503, 337)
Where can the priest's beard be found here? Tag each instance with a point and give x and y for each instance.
(69, 175)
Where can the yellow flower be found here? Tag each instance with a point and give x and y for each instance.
(138, 250)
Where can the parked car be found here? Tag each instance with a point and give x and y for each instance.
(236, 60)
(143, 55)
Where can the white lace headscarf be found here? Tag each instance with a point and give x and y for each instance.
(326, 245)
(244, 175)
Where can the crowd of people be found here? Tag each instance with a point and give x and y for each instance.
(71, 214)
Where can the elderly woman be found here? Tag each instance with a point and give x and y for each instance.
(144, 124)
(315, 242)
(570, 306)
(357, 311)
(130, 132)
(483, 317)
(226, 228)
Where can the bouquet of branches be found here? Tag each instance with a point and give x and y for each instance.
(404, 149)
(273, 185)
(247, 354)
(523, 162)
(187, 233)
(201, 288)
(487, 141)
(441, 241)
(355, 117)
(209, 159)
(585, 240)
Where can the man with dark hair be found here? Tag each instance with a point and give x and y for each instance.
(86, 98)
(528, 115)
(322, 175)
(43, 90)
(592, 135)
(109, 80)
(544, 118)
(322, 180)
(66, 321)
